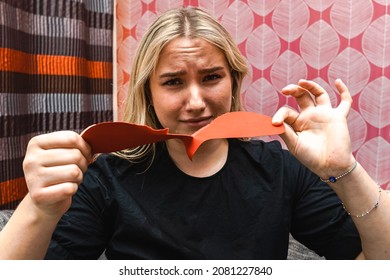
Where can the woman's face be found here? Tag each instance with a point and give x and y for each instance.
(191, 85)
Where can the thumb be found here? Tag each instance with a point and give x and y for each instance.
(290, 138)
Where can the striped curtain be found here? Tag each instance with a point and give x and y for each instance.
(55, 74)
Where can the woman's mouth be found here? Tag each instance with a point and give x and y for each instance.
(198, 122)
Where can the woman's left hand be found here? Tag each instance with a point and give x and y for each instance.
(318, 135)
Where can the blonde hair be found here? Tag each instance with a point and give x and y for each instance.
(182, 22)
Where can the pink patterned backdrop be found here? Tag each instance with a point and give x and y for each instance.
(285, 40)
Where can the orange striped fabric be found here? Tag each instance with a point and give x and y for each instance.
(12, 190)
(17, 61)
(55, 74)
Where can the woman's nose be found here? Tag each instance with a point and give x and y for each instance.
(195, 100)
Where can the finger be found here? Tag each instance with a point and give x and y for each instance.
(36, 165)
(285, 115)
(346, 99)
(62, 139)
(56, 157)
(321, 97)
(302, 95)
(63, 173)
(46, 177)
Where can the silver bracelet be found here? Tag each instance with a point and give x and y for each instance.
(333, 179)
(368, 211)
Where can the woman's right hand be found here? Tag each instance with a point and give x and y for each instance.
(53, 167)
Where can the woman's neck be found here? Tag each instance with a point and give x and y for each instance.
(210, 157)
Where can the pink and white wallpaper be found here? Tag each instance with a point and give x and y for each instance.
(285, 40)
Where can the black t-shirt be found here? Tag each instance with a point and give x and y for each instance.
(244, 211)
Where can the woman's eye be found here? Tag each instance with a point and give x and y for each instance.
(211, 77)
(172, 82)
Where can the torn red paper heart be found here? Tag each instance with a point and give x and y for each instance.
(109, 137)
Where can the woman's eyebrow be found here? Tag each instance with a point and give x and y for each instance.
(172, 74)
(182, 72)
(210, 70)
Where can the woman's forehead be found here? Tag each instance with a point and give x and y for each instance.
(190, 50)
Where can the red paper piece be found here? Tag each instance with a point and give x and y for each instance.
(109, 137)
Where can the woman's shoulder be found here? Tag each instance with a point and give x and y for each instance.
(268, 154)
(103, 161)
(260, 148)
(111, 165)
(113, 160)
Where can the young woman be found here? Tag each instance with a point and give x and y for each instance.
(236, 199)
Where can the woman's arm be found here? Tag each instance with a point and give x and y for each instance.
(369, 207)
(318, 136)
(53, 168)
(27, 234)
